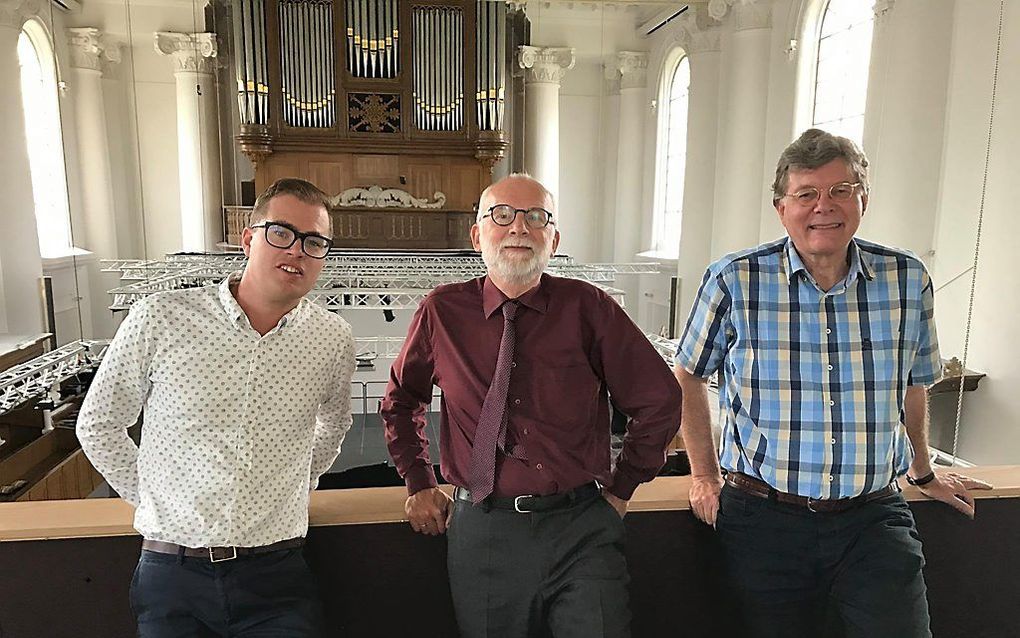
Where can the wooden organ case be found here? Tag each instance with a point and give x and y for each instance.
(394, 108)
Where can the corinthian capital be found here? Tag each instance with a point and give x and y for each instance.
(14, 13)
(91, 49)
(545, 64)
(190, 51)
(699, 31)
(633, 66)
(748, 14)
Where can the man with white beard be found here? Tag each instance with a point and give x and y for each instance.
(526, 362)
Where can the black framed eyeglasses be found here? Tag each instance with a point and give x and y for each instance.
(504, 215)
(840, 192)
(280, 235)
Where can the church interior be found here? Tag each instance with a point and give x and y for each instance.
(135, 136)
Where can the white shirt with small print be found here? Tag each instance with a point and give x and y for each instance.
(237, 427)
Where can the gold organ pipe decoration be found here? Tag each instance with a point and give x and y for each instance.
(438, 73)
(490, 64)
(373, 39)
(306, 63)
(250, 54)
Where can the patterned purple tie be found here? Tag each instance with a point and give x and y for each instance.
(491, 427)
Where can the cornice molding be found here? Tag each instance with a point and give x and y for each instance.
(545, 64)
(633, 67)
(14, 13)
(194, 52)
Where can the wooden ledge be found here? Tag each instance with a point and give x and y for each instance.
(45, 520)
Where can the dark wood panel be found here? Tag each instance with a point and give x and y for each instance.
(383, 580)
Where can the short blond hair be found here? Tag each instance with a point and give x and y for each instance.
(304, 190)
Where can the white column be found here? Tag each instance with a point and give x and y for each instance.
(703, 53)
(87, 53)
(740, 187)
(907, 86)
(89, 50)
(633, 68)
(20, 263)
(197, 137)
(610, 152)
(544, 68)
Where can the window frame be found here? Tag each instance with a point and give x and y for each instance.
(671, 64)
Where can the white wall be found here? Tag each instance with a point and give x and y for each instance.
(990, 431)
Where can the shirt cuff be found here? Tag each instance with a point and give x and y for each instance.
(420, 477)
(623, 486)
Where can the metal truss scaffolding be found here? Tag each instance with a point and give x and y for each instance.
(348, 281)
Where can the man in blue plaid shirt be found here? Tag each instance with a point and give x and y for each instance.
(825, 345)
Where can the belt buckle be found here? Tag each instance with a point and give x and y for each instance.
(517, 504)
(231, 556)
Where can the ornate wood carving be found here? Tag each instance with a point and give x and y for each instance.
(373, 112)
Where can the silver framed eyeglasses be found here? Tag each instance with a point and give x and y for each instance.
(840, 192)
(504, 215)
(281, 235)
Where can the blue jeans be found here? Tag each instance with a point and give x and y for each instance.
(260, 596)
(789, 568)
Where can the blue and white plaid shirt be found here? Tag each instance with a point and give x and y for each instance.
(813, 382)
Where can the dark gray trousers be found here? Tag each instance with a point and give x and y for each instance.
(789, 567)
(561, 573)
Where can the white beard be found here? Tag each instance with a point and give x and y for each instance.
(513, 271)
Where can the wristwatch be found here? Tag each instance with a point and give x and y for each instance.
(924, 480)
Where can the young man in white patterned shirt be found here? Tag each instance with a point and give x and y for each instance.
(245, 388)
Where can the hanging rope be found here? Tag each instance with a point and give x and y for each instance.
(977, 240)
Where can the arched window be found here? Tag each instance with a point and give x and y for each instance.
(841, 77)
(672, 158)
(45, 142)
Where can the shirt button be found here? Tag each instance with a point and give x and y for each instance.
(830, 367)
(828, 331)
(834, 441)
(538, 466)
(525, 430)
(513, 364)
(832, 403)
(517, 401)
(830, 477)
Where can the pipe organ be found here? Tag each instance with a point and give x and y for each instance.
(403, 94)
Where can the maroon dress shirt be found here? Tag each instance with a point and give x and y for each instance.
(575, 346)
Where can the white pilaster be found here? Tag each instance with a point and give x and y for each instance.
(610, 154)
(544, 68)
(701, 41)
(739, 186)
(87, 53)
(193, 58)
(633, 67)
(907, 88)
(20, 262)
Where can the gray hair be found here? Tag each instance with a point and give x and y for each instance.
(482, 208)
(815, 148)
(304, 190)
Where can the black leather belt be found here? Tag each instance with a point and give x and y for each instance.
(220, 554)
(755, 487)
(528, 503)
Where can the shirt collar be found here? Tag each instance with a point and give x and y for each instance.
(493, 298)
(236, 314)
(859, 263)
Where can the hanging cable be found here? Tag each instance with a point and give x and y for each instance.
(980, 221)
